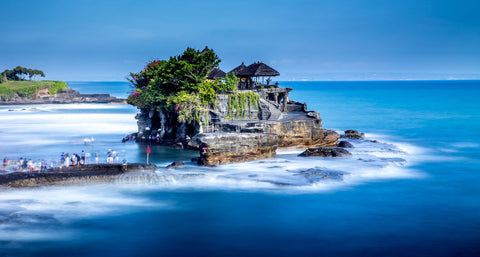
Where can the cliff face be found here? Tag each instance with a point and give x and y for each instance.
(222, 148)
(260, 140)
(170, 129)
(237, 132)
(302, 133)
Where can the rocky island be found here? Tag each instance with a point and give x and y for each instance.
(237, 116)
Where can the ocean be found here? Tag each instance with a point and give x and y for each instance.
(414, 191)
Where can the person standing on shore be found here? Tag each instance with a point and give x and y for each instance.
(62, 159)
(67, 160)
(97, 154)
(82, 158)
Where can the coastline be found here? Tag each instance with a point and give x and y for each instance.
(72, 174)
(68, 96)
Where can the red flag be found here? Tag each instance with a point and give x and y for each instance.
(148, 149)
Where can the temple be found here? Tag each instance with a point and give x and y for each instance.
(257, 77)
(256, 102)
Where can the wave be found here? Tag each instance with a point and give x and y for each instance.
(288, 172)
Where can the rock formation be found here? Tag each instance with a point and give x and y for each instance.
(325, 152)
(222, 148)
(352, 134)
(63, 175)
(345, 144)
(231, 134)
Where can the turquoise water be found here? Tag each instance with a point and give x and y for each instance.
(427, 204)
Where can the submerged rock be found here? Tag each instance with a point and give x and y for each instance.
(315, 174)
(325, 152)
(352, 134)
(175, 164)
(345, 144)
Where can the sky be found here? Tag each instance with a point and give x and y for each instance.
(92, 40)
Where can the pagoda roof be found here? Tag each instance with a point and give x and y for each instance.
(257, 69)
(216, 74)
(238, 69)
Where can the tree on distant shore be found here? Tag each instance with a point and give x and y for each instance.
(20, 73)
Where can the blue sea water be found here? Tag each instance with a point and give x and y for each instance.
(415, 193)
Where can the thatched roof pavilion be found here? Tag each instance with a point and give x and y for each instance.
(238, 69)
(216, 74)
(254, 71)
(258, 69)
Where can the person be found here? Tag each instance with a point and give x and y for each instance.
(74, 159)
(124, 164)
(83, 157)
(109, 156)
(67, 160)
(203, 150)
(114, 156)
(5, 163)
(97, 154)
(62, 159)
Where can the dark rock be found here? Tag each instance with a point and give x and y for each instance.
(345, 144)
(325, 152)
(178, 145)
(62, 175)
(352, 134)
(315, 174)
(251, 130)
(175, 164)
(195, 159)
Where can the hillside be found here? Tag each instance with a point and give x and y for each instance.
(30, 89)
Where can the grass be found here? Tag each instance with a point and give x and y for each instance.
(27, 89)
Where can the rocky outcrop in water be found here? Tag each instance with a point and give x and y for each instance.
(352, 134)
(237, 134)
(72, 174)
(325, 152)
(345, 144)
(175, 164)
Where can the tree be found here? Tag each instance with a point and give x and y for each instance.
(21, 73)
(176, 85)
(36, 72)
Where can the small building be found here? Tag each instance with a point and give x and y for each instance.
(255, 74)
(216, 74)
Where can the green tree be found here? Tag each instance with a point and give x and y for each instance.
(21, 73)
(35, 72)
(177, 84)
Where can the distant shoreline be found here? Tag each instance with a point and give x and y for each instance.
(68, 96)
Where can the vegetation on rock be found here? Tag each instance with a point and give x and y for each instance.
(27, 89)
(238, 101)
(179, 85)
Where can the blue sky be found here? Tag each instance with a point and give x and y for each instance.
(304, 40)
